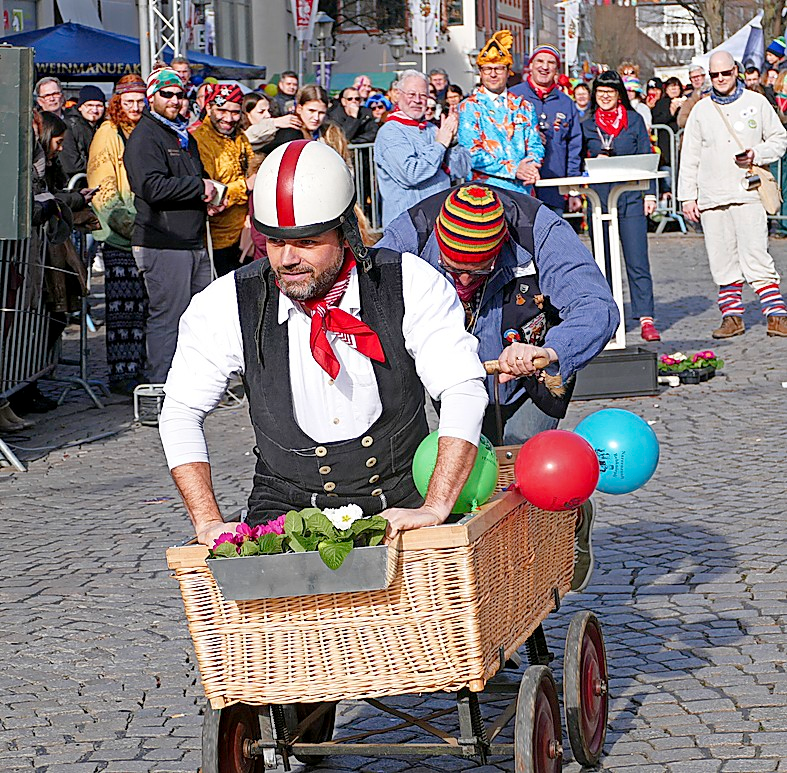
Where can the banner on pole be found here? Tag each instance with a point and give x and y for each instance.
(571, 30)
(425, 25)
(303, 15)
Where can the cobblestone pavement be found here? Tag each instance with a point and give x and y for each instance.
(97, 670)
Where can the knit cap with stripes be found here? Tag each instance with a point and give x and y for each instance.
(471, 226)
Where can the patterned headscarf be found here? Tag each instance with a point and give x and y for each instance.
(162, 79)
(221, 93)
(497, 49)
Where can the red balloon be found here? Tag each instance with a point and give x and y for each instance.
(556, 470)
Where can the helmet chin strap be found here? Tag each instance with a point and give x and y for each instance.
(352, 234)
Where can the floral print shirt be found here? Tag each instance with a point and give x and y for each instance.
(500, 131)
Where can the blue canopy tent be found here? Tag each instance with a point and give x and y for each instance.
(74, 52)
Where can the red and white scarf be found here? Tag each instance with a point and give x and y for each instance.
(540, 91)
(326, 316)
(612, 122)
(399, 116)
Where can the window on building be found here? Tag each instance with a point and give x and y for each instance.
(366, 14)
(687, 39)
(455, 12)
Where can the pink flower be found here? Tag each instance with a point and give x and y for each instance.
(706, 355)
(667, 360)
(272, 527)
(226, 537)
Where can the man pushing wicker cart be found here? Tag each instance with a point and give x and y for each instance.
(335, 345)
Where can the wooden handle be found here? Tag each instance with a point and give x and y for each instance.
(493, 366)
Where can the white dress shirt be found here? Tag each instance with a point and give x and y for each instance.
(210, 352)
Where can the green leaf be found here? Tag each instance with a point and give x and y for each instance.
(299, 543)
(373, 523)
(376, 538)
(270, 543)
(226, 550)
(250, 548)
(307, 512)
(293, 523)
(333, 553)
(318, 523)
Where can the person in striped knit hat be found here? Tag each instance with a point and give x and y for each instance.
(530, 290)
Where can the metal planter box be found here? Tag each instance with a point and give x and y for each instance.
(302, 574)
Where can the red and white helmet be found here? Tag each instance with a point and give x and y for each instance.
(303, 188)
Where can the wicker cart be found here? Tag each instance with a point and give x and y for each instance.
(463, 599)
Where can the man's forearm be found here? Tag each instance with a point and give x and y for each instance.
(196, 488)
(455, 460)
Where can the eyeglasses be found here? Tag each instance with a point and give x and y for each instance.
(53, 95)
(378, 106)
(722, 73)
(489, 69)
(132, 102)
(351, 99)
(171, 94)
(454, 271)
(415, 96)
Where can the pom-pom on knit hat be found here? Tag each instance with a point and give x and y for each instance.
(471, 226)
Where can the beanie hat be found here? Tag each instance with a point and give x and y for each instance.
(777, 47)
(90, 94)
(162, 79)
(632, 84)
(131, 86)
(497, 49)
(544, 49)
(471, 226)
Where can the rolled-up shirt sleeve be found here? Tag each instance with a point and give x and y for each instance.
(445, 354)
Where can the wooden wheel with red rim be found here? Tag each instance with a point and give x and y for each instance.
(224, 733)
(585, 688)
(538, 737)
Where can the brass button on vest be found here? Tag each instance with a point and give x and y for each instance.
(377, 492)
(329, 486)
(374, 479)
(321, 451)
(371, 461)
(325, 469)
(367, 441)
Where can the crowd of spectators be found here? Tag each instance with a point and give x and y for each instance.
(161, 174)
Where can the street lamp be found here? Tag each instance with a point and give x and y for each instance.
(397, 46)
(323, 28)
(473, 57)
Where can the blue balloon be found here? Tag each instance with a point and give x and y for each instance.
(626, 447)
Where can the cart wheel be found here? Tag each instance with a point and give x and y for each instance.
(319, 732)
(537, 733)
(585, 681)
(224, 732)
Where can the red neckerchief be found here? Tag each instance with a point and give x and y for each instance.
(541, 92)
(400, 117)
(612, 121)
(466, 292)
(326, 316)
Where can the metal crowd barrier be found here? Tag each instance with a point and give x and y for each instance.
(25, 355)
(366, 191)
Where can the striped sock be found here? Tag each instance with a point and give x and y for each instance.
(771, 301)
(645, 321)
(731, 299)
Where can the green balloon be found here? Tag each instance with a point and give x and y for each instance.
(481, 483)
(271, 90)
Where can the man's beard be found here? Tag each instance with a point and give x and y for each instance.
(215, 123)
(315, 286)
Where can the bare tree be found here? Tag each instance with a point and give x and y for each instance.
(374, 17)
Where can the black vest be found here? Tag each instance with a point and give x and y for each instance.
(293, 471)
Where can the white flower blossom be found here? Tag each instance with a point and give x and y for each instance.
(343, 517)
(679, 356)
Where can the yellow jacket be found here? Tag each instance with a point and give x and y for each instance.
(225, 160)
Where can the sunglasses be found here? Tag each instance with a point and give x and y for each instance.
(171, 94)
(454, 271)
(352, 99)
(722, 73)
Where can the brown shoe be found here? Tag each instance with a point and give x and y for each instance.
(777, 326)
(733, 326)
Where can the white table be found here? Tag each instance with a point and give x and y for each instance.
(622, 181)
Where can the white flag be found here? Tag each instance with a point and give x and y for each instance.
(571, 27)
(303, 14)
(425, 25)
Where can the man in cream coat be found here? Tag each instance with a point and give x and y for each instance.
(714, 161)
